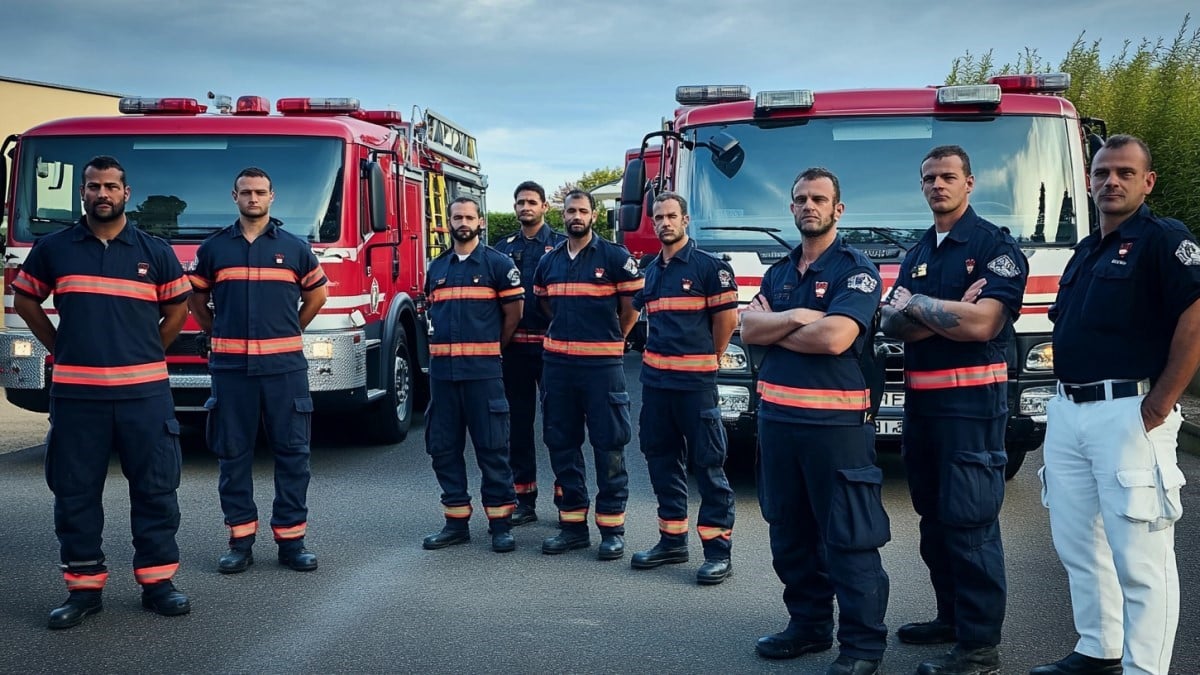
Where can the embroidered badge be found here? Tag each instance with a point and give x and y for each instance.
(440, 282)
(475, 279)
(687, 284)
(599, 272)
(1004, 267)
(278, 258)
(920, 271)
(820, 287)
(1188, 253)
(970, 265)
(631, 267)
(549, 248)
(512, 239)
(725, 278)
(1124, 250)
(863, 282)
(514, 277)
(143, 269)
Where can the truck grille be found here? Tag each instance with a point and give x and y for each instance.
(894, 362)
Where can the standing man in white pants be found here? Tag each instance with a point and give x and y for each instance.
(1126, 344)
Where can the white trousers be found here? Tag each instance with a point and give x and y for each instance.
(1113, 494)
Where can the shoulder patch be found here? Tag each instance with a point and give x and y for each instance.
(862, 282)
(1004, 267)
(514, 277)
(631, 266)
(725, 278)
(1188, 252)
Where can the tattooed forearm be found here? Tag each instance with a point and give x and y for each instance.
(894, 324)
(933, 313)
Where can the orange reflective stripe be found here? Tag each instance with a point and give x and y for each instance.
(672, 526)
(541, 290)
(114, 376)
(689, 363)
(243, 530)
(313, 277)
(121, 288)
(572, 348)
(31, 285)
(153, 575)
(576, 516)
(283, 345)
(632, 285)
(512, 292)
(463, 511)
(174, 288)
(462, 293)
(289, 531)
(199, 283)
(528, 336)
(578, 289)
(465, 349)
(525, 488)
(557, 490)
(85, 582)
(494, 512)
(818, 399)
(726, 298)
(610, 519)
(681, 304)
(950, 378)
(256, 274)
(708, 533)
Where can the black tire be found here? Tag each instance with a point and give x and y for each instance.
(389, 419)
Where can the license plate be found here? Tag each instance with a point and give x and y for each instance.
(888, 427)
(893, 399)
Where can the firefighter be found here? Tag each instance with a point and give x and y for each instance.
(690, 299)
(266, 286)
(1125, 346)
(475, 299)
(120, 296)
(956, 409)
(819, 487)
(523, 357)
(586, 286)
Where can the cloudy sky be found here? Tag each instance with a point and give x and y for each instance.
(552, 89)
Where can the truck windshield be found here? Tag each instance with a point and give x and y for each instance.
(182, 186)
(1022, 167)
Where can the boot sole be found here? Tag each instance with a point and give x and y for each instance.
(610, 555)
(168, 611)
(59, 625)
(571, 547)
(235, 570)
(713, 580)
(635, 564)
(523, 521)
(440, 545)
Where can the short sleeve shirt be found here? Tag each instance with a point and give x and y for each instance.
(526, 253)
(256, 288)
(108, 296)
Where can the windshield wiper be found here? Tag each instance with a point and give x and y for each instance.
(883, 232)
(769, 231)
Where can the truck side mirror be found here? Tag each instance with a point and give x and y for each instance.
(633, 190)
(377, 197)
(728, 154)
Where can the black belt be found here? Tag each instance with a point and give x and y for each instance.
(1087, 393)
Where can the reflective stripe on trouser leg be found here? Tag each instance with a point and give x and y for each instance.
(1117, 564)
(85, 582)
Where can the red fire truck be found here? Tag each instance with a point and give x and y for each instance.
(367, 188)
(734, 156)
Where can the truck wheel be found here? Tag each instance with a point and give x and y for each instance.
(390, 418)
(1016, 457)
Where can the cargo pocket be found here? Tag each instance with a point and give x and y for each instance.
(301, 422)
(622, 428)
(711, 445)
(168, 461)
(1041, 473)
(972, 489)
(498, 423)
(1151, 495)
(857, 520)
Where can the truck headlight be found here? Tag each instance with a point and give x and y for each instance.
(22, 348)
(733, 401)
(1040, 357)
(734, 360)
(320, 351)
(1033, 400)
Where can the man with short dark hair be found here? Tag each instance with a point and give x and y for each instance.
(120, 295)
(266, 286)
(1126, 343)
(523, 356)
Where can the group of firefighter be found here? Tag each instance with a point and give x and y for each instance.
(541, 316)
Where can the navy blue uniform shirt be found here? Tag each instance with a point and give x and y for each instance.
(527, 253)
(464, 307)
(948, 377)
(1120, 298)
(583, 296)
(819, 388)
(256, 290)
(108, 298)
(680, 297)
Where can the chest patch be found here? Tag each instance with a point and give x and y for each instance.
(970, 265)
(687, 284)
(599, 272)
(820, 287)
(920, 271)
(278, 258)
(1188, 253)
(1124, 250)
(1004, 267)
(475, 279)
(863, 283)
(143, 269)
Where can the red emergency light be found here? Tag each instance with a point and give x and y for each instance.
(317, 106)
(134, 105)
(381, 117)
(1033, 83)
(252, 105)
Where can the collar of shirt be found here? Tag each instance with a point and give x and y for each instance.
(544, 234)
(1130, 228)
(817, 265)
(961, 231)
(683, 255)
(475, 256)
(272, 229)
(83, 231)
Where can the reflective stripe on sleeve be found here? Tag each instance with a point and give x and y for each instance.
(31, 285)
(174, 289)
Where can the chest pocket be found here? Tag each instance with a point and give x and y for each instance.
(1112, 285)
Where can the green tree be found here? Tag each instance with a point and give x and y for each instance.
(502, 224)
(1150, 90)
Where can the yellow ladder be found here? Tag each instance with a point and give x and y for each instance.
(438, 239)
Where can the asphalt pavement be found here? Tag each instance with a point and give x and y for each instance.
(379, 603)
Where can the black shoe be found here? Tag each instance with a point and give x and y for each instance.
(234, 561)
(447, 537)
(78, 606)
(612, 547)
(1078, 664)
(301, 560)
(963, 661)
(713, 572)
(661, 554)
(848, 665)
(523, 515)
(786, 645)
(927, 633)
(565, 541)
(167, 600)
(503, 542)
